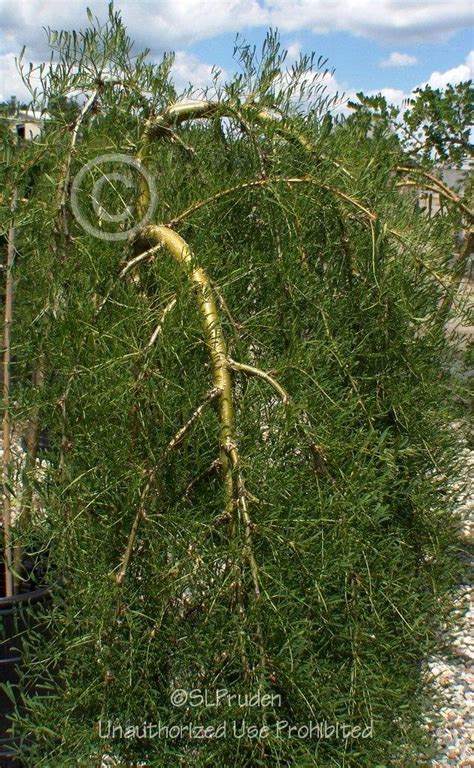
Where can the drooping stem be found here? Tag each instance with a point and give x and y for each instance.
(32, 446)
(259, 183)
(236, 506)
(195, 109)
(214, 337)
(62, 236)
(140, 515)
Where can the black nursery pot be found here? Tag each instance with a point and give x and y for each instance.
(17, 614)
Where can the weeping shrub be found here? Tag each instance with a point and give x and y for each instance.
(247, 395)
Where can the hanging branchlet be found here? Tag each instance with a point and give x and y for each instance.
(434, 185)
(250, 369)
(152, 477)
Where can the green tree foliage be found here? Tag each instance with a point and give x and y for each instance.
(439, 123)
(302, 546)
(11, 107)
(434, 125)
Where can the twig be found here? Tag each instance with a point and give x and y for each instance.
(67, 167)
(138, 259)
(438, 191)
(173, 443)
(141, 514)
(159, 328)
(181, 433)
(212, 466)
(441, 187)
(250, 369)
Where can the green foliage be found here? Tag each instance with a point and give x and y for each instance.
(372, 116)
(433, 126)
(10, 108)
(440, 122)
(332, 284)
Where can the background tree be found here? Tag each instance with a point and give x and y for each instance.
(438, 123)
(432, 126)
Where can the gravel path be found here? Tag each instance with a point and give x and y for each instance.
(454, 672)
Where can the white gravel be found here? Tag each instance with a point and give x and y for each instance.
(453, 672)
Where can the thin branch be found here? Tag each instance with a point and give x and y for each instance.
(32, 445)
(67, 167)
(212, 466)
(159, 328)
(225, 307)
(438, 191)
(255, 184)
(441, 188)
(7, 327)
(250, 369)
(141, 514)
(259, 183)
(181, 433)
(430, 176)
(138, 259)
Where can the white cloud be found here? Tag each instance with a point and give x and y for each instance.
(188, 68)
(453, 76)
(397, 59)
(390, 20)
(171, 24)
(393, 96)
(11, 83)
(439, 80)
(294, 50)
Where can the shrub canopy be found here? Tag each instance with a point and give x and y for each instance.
(248, 414)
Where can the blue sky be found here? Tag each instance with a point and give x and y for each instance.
(356, 60)
(418, 41)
